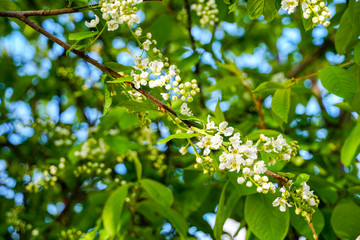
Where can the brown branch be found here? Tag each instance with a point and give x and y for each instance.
(54, 12)
(277, 176)
(315, 236)
(20, 16)
(257, 103)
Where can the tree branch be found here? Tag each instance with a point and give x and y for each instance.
(19, 15)
(56, 11)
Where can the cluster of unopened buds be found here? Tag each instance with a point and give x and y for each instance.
(92, 168)
(207, 11)
(301, 196)
(71, 234)
(46, 178)
(316, 10)
(117, 12)
(93, 149)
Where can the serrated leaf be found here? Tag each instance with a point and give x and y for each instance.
(158, 192)
(268, 87)
(112, 210)
(339, 82)
(264, 220)
(352, 143)
(345, 220)
(177, 136)
(220, 214)
(82, 35)
(280, 104)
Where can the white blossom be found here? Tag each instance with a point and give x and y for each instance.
(185, 110)
(93, 22)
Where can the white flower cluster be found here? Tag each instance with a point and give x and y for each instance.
(93, 149)
(314, 9)
(117, 12)
(304, 199)
(207, 11)
(238, 156)
(289, 5)
(156, 73)
(318, 12)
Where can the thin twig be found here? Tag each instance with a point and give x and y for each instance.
(277, 176)
(313, 230)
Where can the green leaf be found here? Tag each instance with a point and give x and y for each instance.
(345, 220)
(256, 8)
(82, 35)
(264, 220)
(352, 143)
(218, 113)
(112, 210)
(280, 104)
(268, 87)
(233, 6)
(117, 67)
(303, 177)
(138, 168)
(220, 214)
(299, 223)
(107, 95)
(119, 144)
(339, 82)
(121, 80)
(171, 215)
(158, 192)
(177, 136)
(8, 5)
(349, 29)
(357, 53)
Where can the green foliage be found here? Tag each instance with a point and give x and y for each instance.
(112, 211)
(264, 222)
(351, 145)
(345, 220)
(349, 29)
(256, 8)
(280, 104)
(340, 82)
(120, 174)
